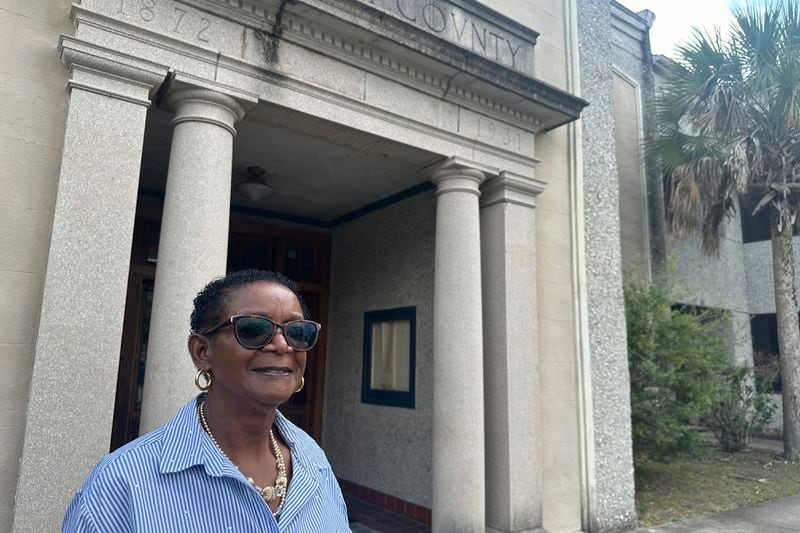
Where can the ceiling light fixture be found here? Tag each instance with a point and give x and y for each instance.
(254, 187)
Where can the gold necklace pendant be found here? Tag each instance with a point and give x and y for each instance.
(268, 493)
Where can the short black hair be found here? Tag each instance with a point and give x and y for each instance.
(212, 300)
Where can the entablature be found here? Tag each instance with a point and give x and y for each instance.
(464, 50)
(344, 53)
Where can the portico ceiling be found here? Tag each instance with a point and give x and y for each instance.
(316, 169)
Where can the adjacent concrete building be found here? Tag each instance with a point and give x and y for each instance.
(433, 160)
(739, 279)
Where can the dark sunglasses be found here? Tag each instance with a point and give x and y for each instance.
(256, 331)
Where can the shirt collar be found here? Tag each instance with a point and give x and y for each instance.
(186, 444)
(304, 451)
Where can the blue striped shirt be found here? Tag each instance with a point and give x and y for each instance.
(175, 480)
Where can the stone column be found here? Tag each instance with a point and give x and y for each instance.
(458, 448)
(510, 354)
(193, 244)
(73, 385)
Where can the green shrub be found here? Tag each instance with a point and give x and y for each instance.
(743, 409)
(673, 356)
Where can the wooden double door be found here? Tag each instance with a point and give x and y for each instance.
(302, 255)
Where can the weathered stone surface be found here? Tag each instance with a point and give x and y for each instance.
(481, 32)
(611, 489)
(80, 326)
(458, 413)
(511, 356)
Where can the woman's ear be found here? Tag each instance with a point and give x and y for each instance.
(200, 350)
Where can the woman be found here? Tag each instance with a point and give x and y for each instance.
(228, 461)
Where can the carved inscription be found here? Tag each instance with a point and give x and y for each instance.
(495, 132)
(464, 29)
(492, 132)
(175, 19)
(183, 21)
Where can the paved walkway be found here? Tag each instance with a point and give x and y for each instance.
(770, 445)
(779, 516)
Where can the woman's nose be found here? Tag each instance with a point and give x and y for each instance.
(278, 342)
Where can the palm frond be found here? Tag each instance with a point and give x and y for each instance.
(746, 162)
(727, 121)
(753, 31)
(712, 226)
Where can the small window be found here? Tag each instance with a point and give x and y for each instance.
(756, 227)
(390, 338)
(766, 358)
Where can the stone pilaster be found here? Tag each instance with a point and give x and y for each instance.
(458, 450)
(193, 244)
(609, 498)
(83, 301)
(510, 354)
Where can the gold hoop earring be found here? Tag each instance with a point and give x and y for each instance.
(206, 375)
(302, 384)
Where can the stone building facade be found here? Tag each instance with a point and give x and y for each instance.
(434, 155)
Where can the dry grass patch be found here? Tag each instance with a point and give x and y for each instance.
(711, 482)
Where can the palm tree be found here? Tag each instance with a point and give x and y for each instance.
(727, 128)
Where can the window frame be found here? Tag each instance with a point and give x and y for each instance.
(405, 399)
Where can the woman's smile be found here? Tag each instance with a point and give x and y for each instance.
(274, 371)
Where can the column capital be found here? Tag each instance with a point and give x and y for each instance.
(511, 188)
(195, 104)
(456, 174)
(110, 73)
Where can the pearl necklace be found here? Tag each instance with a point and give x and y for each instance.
(268, 493)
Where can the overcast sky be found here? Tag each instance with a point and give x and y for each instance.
(675, 18)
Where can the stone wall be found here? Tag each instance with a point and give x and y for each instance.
(383, 260)
(633, 190)
(633, 85)
(33, 110)
(759, 280)
(611, 490)
(710, 281)
(721, 281)
(561, 464)
(632, 65)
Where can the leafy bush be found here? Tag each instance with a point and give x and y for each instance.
(743, 409)
(673, 356)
